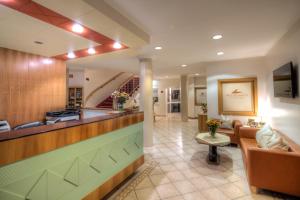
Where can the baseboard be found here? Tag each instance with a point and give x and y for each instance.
(114, 181)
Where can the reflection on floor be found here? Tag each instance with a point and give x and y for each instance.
(182, 172)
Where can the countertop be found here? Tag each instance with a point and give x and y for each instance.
(87, 116)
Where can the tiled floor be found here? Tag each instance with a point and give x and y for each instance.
(183, 174)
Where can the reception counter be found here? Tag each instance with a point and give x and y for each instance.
(83, 159)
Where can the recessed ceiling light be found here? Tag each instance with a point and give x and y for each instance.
(184, 65)
(217, 37)
(117, 45)
(71, 55)
(220, 53)
(197, 74)
(91, 51)
(158, 48)
(77, 28)
(166, 76)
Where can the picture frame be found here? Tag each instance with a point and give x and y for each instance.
(238, 96)
(200, 95)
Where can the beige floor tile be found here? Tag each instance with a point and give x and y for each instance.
(191, 173)
(159, 179)
(168, 168)
(184, 187)
(167, 190)
(131, 196)
(214, 194)
(216, 179)
(231, 190)
(145, 183)
(147, 194)
(175, 176)
(201, 183)
(175, 198)
(181, 165)
(194, 196)
(157, 170)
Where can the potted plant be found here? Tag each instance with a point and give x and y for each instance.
(213, 125)
(121, 98)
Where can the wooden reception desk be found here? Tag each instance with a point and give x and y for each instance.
(83, 159)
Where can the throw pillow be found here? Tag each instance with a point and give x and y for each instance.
(226, 124)
(263, 136)
(277, 142)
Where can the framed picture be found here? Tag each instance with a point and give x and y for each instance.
(238, 96)
(200, 95)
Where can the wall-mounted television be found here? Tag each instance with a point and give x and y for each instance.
(284, 81)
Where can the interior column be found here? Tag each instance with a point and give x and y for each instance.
(146, 103)
(184, 98)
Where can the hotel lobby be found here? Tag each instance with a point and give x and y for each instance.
(149, 99)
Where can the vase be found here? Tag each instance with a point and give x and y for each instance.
(212, 131)
(120, 106)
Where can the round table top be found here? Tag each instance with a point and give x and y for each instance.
(218, 140)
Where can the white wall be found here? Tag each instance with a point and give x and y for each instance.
(194, 82)
(78, 78)
(251, 67)
(285, 113)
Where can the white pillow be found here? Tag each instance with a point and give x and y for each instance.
(264, 135)
(277, 142)
(226, 124)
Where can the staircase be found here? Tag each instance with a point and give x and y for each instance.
(130, 86)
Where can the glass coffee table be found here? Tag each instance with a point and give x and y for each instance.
(213, 142)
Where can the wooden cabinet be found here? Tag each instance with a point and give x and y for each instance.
(202, 126)
(75, 97)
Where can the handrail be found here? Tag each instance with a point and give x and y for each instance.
(126, 81)
(101, 86)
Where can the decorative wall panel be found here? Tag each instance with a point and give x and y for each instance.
(72, 172)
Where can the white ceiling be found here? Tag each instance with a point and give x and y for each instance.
(19, 31)
(184, 29)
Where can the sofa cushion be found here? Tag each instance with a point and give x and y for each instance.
(246, 143)
(226, 131)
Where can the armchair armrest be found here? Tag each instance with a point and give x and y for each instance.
(247, 132)
(274, 170)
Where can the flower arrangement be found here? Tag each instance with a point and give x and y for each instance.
(121, 98)
(213, 125)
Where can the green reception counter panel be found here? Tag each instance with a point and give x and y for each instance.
(88, 168)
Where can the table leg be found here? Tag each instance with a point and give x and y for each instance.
(213, 157)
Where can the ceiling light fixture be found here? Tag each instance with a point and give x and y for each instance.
(91, 51)
(220, 53)
(117, 45)
(197, 74)
(71, 55)
(217, 37)
(184, 65)
(158, 48)
(77, 28)
(47, 61)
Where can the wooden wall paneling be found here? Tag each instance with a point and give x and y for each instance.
(29, 86)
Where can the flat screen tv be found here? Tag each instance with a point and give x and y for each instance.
(284, 81)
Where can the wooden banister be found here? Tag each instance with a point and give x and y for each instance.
(101, 86)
